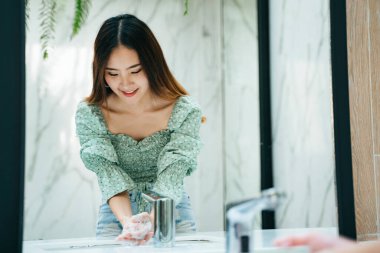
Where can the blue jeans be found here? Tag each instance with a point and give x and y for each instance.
(109, 226)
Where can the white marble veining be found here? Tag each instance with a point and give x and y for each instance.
(302, 126)
(213, 53)
(61, 196)
(241, 100)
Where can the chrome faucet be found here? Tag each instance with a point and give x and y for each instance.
(240, 218)
(164, 223)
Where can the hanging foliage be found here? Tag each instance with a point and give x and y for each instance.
(186, 3)
(27, 13)
(47, 18)
(82, 8)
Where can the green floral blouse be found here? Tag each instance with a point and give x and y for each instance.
(158, 162)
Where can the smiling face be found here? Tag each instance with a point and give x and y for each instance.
(126, 77)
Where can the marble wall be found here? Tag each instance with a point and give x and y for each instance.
(206, 56)
(302, 124)
(241, 100)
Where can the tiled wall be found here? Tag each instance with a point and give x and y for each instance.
(302, 127)
(363, 37)
(206, 56)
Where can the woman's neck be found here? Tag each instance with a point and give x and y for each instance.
(149, 103)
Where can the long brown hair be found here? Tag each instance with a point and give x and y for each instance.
(129, 31)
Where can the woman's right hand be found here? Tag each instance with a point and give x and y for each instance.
(137, 229)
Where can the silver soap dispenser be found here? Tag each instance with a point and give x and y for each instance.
(164, 220)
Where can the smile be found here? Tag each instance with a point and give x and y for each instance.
(130, 93)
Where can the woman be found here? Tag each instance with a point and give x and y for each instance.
(138, 130)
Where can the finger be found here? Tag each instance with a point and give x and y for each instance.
(148, 236)
(138, 235)
(141, 242)
(288, 241)
(124, 236)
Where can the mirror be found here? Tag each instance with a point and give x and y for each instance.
(302, 116)
(212, 51)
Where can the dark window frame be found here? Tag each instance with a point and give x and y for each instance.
(12, 127)
(342, 132)
(266, 173)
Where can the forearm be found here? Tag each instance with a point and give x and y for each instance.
(120, 205)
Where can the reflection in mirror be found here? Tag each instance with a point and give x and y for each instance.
(206, 54)
(302, 127)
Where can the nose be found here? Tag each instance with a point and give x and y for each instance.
(126, 80)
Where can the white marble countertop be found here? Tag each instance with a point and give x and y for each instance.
(197, 242)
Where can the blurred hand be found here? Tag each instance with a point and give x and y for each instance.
(137, 229)
(316, 242)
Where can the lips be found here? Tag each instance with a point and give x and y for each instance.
(130, 93)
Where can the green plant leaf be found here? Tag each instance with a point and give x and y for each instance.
(47, 24)
(186, 11)
(27, 13)
(82, 8)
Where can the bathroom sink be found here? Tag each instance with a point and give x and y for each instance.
(212, 243)
(193, 244)
(202, 242)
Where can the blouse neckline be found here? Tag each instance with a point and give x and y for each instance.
(130, 138)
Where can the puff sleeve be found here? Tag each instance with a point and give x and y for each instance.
(98, 153)
(179, 156)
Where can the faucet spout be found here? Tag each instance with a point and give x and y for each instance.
(240, 219)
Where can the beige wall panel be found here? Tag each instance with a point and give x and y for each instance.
(377, 171)
(374, 34)
(360, 114)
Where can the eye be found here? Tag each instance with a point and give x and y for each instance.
(112, 74)
(137, 71)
